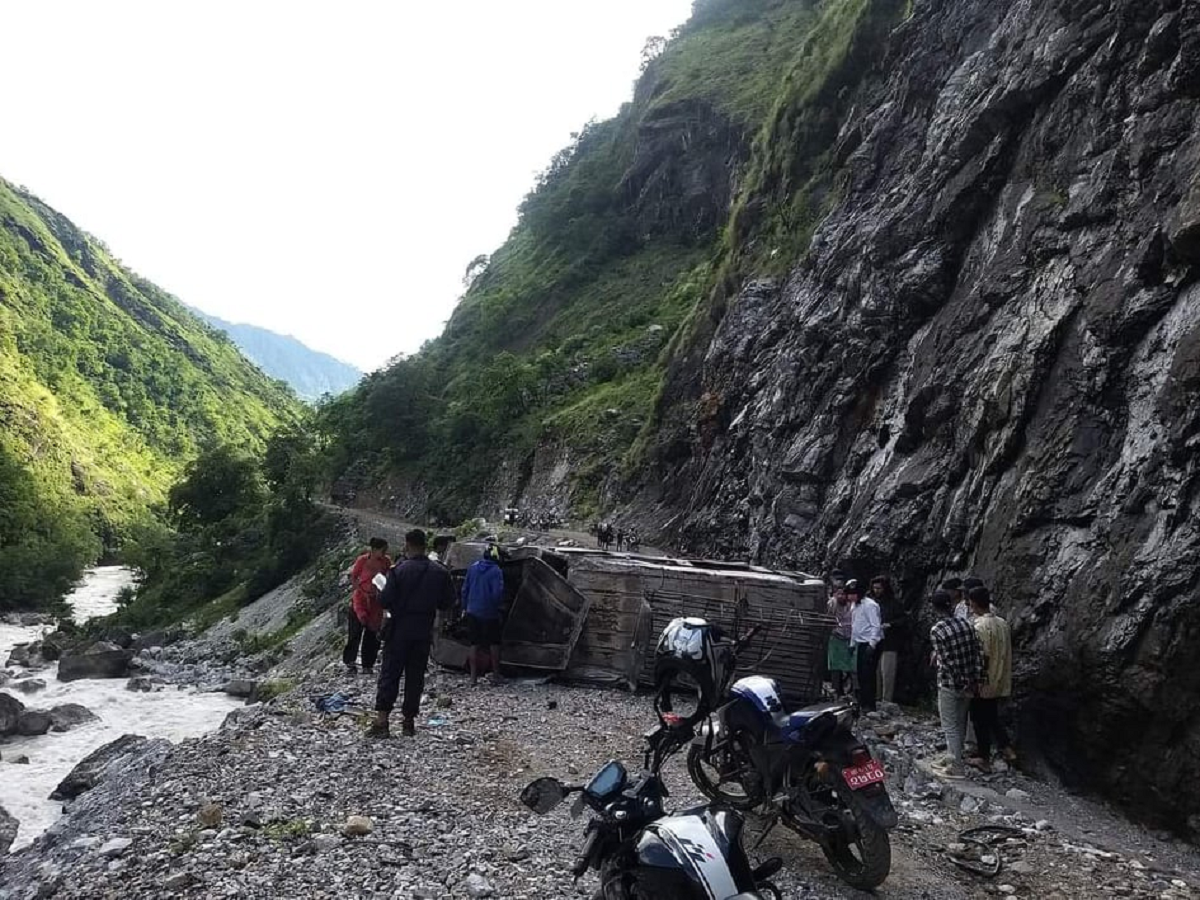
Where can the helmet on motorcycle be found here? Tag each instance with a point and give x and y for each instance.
(687, 658)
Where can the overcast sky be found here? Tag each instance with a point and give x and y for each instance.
(321, 169)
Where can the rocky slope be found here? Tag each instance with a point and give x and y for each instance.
(988, 360)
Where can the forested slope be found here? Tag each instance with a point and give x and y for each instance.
(108, 386)
(551, 364)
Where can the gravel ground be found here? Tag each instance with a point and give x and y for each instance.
(260, 810)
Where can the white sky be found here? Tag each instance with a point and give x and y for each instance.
(324, 169)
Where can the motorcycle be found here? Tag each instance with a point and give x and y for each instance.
(804, 766)
(639, 851)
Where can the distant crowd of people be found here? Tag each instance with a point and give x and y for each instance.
(393, 610)
(972, 653)
(607, 535)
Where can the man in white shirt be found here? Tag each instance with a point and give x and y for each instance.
(866, 631)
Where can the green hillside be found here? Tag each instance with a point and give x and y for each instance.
(714, 168)
(108, 387)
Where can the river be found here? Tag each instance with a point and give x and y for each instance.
(170, 713)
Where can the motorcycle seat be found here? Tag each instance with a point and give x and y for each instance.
(801, 717)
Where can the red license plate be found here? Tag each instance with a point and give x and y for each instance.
(859, 777)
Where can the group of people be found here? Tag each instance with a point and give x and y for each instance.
(607, 535)
(972, 649)
(393, 611)
(869, 630)
(972, 652)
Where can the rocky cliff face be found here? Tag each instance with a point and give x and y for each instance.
(989, 361)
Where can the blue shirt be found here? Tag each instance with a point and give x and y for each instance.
(483, 590)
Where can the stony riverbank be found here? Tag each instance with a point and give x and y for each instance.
(263, 807)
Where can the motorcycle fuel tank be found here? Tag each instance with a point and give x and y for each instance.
(694, 855)
(762, 692)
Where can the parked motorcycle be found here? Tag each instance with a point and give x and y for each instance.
(804, 767)
(640, 852)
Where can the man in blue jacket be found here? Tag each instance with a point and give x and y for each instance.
(482, 597)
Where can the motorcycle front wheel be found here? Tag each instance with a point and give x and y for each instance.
(725, 776)
(863, 860)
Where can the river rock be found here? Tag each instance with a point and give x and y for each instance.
(119, 637)
(29, 685)
(143, 684)
(66, 716)
(101, 660)
(19, 656)
(10, 711)
(241, 687)
(33, 722)
(91, 769)
(8, 830)
(52, 648)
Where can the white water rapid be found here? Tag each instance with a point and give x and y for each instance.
(170, 713)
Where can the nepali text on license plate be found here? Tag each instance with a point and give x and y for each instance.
(861, 776)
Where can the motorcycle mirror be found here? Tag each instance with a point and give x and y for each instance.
(543, 794)
(771, 867)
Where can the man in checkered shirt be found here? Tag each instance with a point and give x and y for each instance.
(960, 672)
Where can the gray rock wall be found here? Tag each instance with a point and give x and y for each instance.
(989, 361)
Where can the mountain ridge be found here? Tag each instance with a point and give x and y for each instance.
(312, 374)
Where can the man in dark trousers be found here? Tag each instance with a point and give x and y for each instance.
(866, 633)
(366, 615)
(416, 589)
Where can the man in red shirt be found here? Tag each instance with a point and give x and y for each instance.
(366, 612)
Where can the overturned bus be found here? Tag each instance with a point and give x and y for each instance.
(595, 616)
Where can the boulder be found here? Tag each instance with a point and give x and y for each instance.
(19, 655)
(67, 715)
(101, 660)
(90, 770)
(140, 684)
(52, 649)
(33, 722)
(29, 685)
(8, 830)
(358, 826)
(119, 637)
(241, 687)
(115, 847)
(10, 711)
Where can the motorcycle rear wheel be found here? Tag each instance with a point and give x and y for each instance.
(733, 793)
(863, 863)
